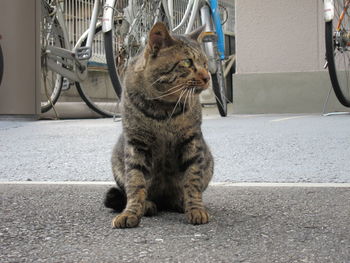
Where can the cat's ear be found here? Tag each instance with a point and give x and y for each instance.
(159, 38)
(196, 33)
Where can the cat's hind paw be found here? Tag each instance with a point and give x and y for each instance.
(125, 220)
(150, 208)
(197, 216)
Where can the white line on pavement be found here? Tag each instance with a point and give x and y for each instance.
(60, 182)
(289, 118)
(212, 184)
(280, 184)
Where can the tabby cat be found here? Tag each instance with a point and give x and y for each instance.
(161, 161)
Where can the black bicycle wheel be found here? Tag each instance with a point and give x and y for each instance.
(219, 88)
(129, 35)
(218, 78)
(338, 55)
(1, 65)
(51, 34)
(97, 90)
(111, 62)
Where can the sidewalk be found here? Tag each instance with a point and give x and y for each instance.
(246, 148)
(293, 219)
(68, 223)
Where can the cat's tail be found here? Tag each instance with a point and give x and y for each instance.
(115, 199)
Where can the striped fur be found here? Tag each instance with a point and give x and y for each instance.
(161, 160)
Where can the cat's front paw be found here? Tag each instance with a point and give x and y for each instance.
(125, 220)
(197, 216)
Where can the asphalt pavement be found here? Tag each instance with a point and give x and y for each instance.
(280, 193)
(68, 223)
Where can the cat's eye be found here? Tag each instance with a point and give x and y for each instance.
(187, 62)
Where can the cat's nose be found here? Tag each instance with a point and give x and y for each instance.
(204, 76)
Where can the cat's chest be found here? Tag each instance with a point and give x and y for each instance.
(165, 148)
(166, 133)
(164, 157)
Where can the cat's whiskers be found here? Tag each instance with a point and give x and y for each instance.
(154, 82)
(187, 92)
(167, 94)
(177, 103)
(192, 98)
(174, 87)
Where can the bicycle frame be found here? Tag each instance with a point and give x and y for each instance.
(208, 11)
(212, 37)
(329, 12)
(329, 16)
(217, 23)
(72, 62)
(192, 8)
(328, 7)
(346, 6)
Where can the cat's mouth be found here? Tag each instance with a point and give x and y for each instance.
(197, 86)
(196, 89)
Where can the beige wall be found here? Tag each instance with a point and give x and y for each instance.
(19, 22)
(280, 57)
(279, 36)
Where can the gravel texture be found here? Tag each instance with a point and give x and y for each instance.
(68, 223)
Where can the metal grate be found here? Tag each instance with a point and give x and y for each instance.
(226, 8)
(229, 25)
(77, 14)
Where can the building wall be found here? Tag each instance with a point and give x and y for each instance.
(277, 43)
(19, 22)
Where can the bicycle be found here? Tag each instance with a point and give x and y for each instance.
(135, 20)
(1, 63)
(337, 36)
(82, 63)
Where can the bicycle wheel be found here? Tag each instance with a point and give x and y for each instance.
(1, 65)
(217, 77)
(97, 90)
(50, 35)
(219, 88)
(338, 52)
(129, 35)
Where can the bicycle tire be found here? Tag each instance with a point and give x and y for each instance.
(1, 64)
(338, 87)
(219, 88)
(111, 64)
(99, 97)
(57, 39)
(218, 80)
(117, 61)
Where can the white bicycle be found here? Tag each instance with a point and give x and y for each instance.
(128, 36)
(118, 30)
(82, 64)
